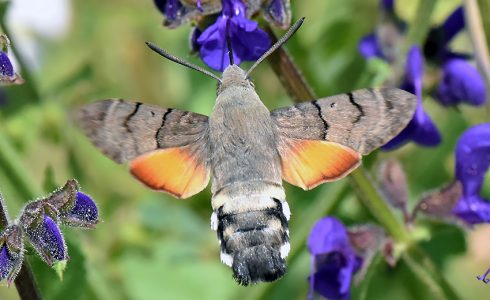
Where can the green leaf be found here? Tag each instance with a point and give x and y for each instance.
(175, 271)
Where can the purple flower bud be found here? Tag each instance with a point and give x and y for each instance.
(461, 82)
(83, 214)
(278, 12)
(11, 252)
(47, 239)
(170, 8)
(74, 208)
(6, 262)
(387, 5)
(248, 41)
(6, 68)
(394, 183)
(333, 259)
(440, 202)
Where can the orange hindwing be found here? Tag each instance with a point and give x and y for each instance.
(308, 163)
(176, 171)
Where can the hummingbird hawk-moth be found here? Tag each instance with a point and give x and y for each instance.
(247, 151)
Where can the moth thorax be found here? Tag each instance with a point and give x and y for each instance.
(254, 242)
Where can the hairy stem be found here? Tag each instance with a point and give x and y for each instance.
(24, 282)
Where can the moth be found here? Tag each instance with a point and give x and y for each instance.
(247, 151)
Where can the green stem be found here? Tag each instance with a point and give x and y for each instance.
(379, 208)
(424, 269)
(24, 282)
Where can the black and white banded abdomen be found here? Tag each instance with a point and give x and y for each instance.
(254, 237)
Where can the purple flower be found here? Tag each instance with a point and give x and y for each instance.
(472, 162)
(369, 47)
(11, 252)
(6, 262)
(333, 259)
(84, 212)
(461, 82)
(248, 41)
(421, 129)
(47, 239)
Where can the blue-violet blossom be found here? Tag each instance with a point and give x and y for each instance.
(248, 41)
(460, 81)
(472, 162)
(421, 129)
(333, 260)
(48, 241)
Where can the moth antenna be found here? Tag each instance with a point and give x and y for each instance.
(228, 42)
(278, 44)
(180, 61)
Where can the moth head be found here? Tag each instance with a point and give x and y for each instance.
(233, 75)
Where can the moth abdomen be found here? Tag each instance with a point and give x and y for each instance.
(253, 242)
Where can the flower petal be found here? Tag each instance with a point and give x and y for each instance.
(6, 262)
(328, 235)
(453, 24)
(84, 213)
(421, 129)
(248, 42)
(473, 158)
(461, 82)
(473, 210)
(333, 259)
(48, 241)
(369, 47)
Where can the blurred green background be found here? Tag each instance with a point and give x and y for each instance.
(151, 246)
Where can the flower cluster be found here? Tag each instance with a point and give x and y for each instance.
(460, 81)
(40, 222)
(216, 20)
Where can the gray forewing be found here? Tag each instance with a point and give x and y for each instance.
(124, 129)
(362, 120)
